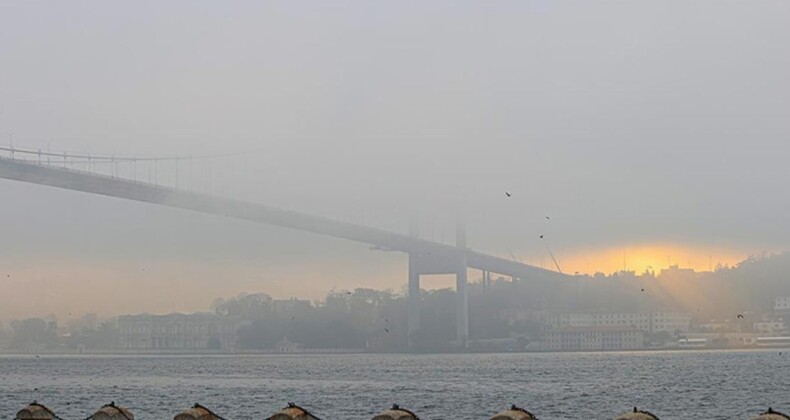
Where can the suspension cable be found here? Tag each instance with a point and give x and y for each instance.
(113, 158)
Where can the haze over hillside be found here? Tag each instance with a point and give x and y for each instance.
(651, 134)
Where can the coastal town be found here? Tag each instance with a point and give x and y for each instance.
(622, 312)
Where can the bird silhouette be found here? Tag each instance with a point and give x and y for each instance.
(643, 289)
(541, 236)
(507, 194)
(548, 218)
(387, 329)
(740, 316)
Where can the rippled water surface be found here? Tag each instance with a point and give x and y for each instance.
(673, 385)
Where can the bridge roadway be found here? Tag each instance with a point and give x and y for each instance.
(425, 257)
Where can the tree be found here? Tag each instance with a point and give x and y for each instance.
(33, 334)
(245, 306)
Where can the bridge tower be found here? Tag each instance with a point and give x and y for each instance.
(452, 262)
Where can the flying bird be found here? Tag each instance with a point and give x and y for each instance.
(541, 236)
(507, 194)
(643, 289)
(548, 218)
(387, 329)
(740, 316)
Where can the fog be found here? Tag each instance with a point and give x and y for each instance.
(643, 129)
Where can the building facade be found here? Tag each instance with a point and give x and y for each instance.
(291, 307)
(199, 331)
(782, 303)
(769, 327)
(652, 323)
(593, 339)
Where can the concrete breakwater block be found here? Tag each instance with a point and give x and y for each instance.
(772, 415)
(197, 412)
(293, 412)
(638, 415)
(35, 411)
(113, 412)
(514, 413)
(396, 413)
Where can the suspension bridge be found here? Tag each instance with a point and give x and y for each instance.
(160, 180)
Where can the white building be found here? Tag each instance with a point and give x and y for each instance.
(769, 327)
(782, 303)
(592, 338)
(287, 346)
(647, 322)
(670, 322)
(198, 331)
(289, 307)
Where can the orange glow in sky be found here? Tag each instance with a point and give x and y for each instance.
(646, 257)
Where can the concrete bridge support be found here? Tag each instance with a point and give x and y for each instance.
(461, 306)
(447, 264)
(413, 298)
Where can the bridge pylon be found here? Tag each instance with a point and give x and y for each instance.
(431, 264)
(413, 303)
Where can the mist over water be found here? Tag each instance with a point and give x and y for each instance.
(536, 175)
(633, 126)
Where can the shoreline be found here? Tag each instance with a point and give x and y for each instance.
(362, 352)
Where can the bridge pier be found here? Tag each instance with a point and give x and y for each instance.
(455, 264)
(461, 306)
(413, 298)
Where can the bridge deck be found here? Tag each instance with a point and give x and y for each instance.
(26, 171)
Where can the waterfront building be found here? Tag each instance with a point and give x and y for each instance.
(690, 343)
(769, 327)
(198, 331)
(287, 346)
(652, 323)
(592, 339)
(723, 339)
(719, 326)
(782, 303)
(291, 307)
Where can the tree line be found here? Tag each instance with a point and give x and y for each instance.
(376, 320)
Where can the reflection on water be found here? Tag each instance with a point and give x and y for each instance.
(674, 385)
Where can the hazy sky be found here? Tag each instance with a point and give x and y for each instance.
(659, 129)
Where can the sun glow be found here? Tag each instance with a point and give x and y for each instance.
(642, 258)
